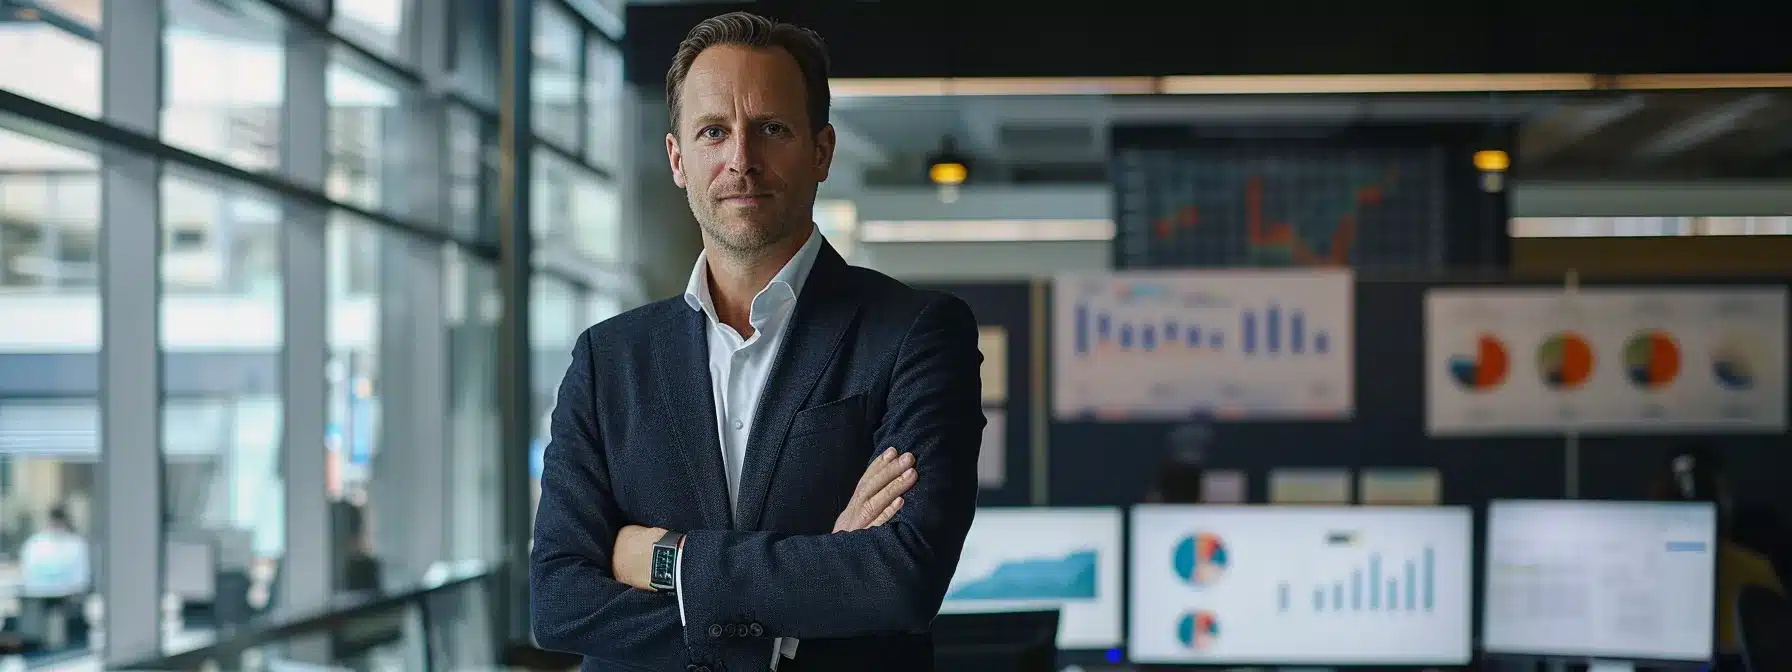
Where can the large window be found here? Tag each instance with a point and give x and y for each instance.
(221, 337)
(49, 392)
(271, 343)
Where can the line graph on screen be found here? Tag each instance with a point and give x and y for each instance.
(1278, 242)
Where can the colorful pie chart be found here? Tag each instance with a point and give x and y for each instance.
(1198, 630)
(1485, 368)
(1201, 559)
(1565, 360)
(1652, 359)
(1733, 363)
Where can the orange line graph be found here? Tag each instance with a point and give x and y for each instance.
(1279, 234)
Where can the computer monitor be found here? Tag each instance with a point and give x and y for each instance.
(1577, 579)
(1019, 641)
(1026, 559)
(1272, 585)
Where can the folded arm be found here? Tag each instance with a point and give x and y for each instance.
(880, 580)
(576, 605)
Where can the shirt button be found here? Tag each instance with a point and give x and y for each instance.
(738, 424)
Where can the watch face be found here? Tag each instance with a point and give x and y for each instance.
(664, 561)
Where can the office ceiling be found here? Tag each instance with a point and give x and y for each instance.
(1624, 135)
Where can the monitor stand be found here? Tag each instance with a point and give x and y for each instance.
(1610, 666)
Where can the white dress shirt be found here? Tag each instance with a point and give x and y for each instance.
(738, 369)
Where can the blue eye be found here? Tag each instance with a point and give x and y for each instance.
(707, 132)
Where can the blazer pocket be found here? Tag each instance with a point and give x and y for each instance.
(831, 416)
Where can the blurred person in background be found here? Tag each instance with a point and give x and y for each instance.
(1695, 474)
(55, 576)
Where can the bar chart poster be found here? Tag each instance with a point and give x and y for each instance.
(1242, 585)
(1239, 344)
(1605, 360)
(1025, 559)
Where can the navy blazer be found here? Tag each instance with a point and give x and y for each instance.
(867, 363)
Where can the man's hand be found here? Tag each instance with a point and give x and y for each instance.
(631, 560)
(879, 494)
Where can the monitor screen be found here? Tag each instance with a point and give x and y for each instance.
(1622, 580)
(1025, 559)
(1266, 585)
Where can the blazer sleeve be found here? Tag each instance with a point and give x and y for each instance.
(881, 580)
(575, 602)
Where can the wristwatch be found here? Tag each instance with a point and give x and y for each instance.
(665, 562)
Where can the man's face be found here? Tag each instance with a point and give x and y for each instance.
(743, 151)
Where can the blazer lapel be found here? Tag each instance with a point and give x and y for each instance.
(823, 313)
(686, 363)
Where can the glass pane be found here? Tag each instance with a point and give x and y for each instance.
(554, 325)
(88, 13)
(352, 434)
(605, 112)
(557, 46)
(602, 307)
(366, 136)
(49, 414)
(223, 82)
(28, 41)
(468, 175)
(473, 310)
(474, 58)
(574, 209)
(375, 24)
(597, 213)
(221, 415)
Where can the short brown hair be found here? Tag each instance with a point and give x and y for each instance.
(751, 30)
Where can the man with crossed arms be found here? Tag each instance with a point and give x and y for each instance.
(705, 499)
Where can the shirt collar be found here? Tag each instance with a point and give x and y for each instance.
(784, 287)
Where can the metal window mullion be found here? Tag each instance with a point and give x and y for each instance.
(515, 139)
(130, 478)
(425, 289)
(306, 577)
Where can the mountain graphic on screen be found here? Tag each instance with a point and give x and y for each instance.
(1071, 577)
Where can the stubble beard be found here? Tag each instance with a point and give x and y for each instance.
(742, 242)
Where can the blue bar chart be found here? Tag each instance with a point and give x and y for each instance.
(1408, 587)
(1232, 343)
(1271, 331)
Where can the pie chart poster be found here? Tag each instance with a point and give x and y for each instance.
(1605, 361)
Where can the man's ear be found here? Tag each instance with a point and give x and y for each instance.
(676, 159)
(824, 152)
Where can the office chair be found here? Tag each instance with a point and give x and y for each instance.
(1764, 626)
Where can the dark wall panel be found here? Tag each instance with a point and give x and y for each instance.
(1009, 306)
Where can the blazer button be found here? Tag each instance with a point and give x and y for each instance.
(756, 630)
(715, 630)
(740, 630)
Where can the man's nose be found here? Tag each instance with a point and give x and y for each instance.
(743, 155)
